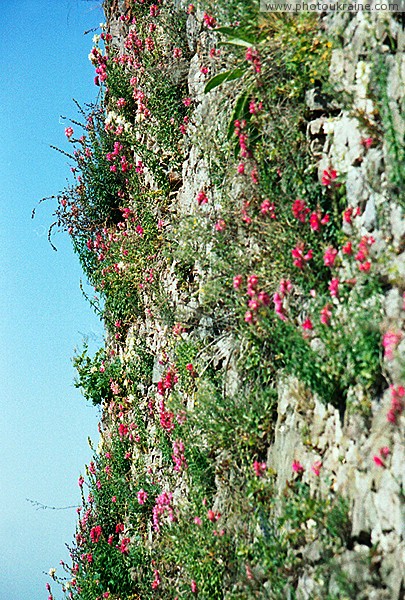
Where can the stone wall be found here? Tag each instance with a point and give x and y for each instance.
(367, 68)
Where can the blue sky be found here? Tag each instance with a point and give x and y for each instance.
(44, 422)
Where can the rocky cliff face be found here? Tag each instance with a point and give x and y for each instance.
(252, 440)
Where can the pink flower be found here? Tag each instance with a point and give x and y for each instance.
(121, 102)
(201, 198)
(211, 515)
(248, 316)
(307, 324)
(162, 505)
(80, 481)
(378, 461)
(253, 280)
(268, 207)
(285, 286)
(264, 298)
(347, 248)
(326, 314)
(334, 287)
(177, 52)
(347, 215)
(194, 588)
(220, 225)
(237, 281)
(300, 210)
(95, 534)
(316, 220)
(299, 257)
(367, 142)
(123, 547)
(252, 55)
(316, 467)
(241, 168)
(365, 266)
(390, 342)
(157, 581)
(119, 528)
(209, 21)
(142, 496)
(197, 521)
(178, 457)
(364, 244)
(328, 177)
(255, 108)
(68, 132)
(297, 467)
(278, 306)
(123, 430)
(385, 451)
(254, 305)
(254, 175)
(397, 403)
(329, 256)
(259, 468)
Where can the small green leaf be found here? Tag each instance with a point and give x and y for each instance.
(235, 42)
(239, 33)
(223, 78)
(240, 108)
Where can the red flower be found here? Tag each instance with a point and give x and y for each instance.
(237, 281)
(268, 207)
(95, 534)
(299, 257)
(297, 467)
(326, 314)
(367, 142)
(123, 547)
(259, 468)
(384, 451)
(347, 248)
(209, 21)
(328, 177)
(377, 460)
(334, 287)
(307, 324)
(202, 198)
(316, 467)
(329, 256)
(365, 266)
(300, 210)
